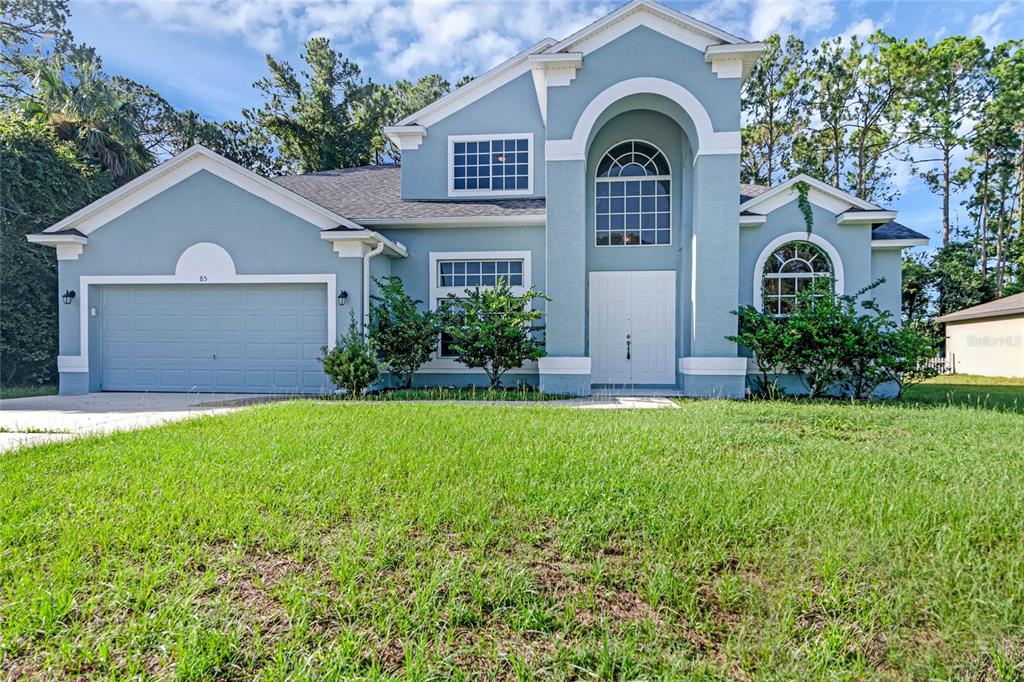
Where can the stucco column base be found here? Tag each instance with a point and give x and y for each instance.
(713, 377)
(564, 375)
(73, 383)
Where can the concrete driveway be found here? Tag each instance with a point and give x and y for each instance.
(59, 417)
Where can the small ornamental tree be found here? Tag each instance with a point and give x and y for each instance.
(765, 336)
(493, 329)
(350, 364)
(403, 334)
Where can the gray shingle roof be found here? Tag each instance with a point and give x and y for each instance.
(1008, 305)
(893, 230)
(373, 193)
(748, 192)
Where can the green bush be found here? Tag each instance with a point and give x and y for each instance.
(403, 334)
(835, 342)
(493, 329)
(350, 365)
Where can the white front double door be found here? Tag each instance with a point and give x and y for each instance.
(633, 327)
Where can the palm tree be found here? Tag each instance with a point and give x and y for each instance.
(85, 109)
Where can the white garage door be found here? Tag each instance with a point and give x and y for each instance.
(244, 338)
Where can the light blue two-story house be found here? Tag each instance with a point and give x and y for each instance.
(602, 168)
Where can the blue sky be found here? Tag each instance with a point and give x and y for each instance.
(205, 55)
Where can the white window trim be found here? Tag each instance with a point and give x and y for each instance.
(773, 245)
(452, 139)
(450, 365)
(80, 362)
(671, 195)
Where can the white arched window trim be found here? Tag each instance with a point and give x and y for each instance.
(803, 236)
(671, 186)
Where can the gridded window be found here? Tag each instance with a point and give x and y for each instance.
(445, 349)
(633, 196)
(792, 268)
(479, 273)
(498, 165)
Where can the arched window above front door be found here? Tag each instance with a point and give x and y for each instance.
(633, 190)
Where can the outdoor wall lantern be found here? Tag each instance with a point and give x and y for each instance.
(68, 297)
(342, 297)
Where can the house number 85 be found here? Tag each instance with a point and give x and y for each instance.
(202, 278)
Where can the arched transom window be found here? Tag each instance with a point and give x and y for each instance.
(633, 196)
(792, 268)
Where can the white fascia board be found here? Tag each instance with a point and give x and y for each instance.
(862, 217)
(461, 221)
(182, 166)
(897, 243)
(826, 195)
(733, 61)
(405, 137)
(365, 237)
(54, 239)
(482, 85)
(676, 25)
(752, 220)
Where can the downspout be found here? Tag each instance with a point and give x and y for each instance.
(375, 251)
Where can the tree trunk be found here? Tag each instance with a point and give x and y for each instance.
(984, 221)
(945, 195)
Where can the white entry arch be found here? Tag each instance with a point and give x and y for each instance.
(708, 140)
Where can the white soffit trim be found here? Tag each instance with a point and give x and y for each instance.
(538, 220)
(814, 238)
(182, 166)
(553, 70)
(752, 220)
(897, 243)
(713, 366)
(337, 237)
(676, 25)
(475, 89)
(862, 217)
(733, 61)
(828, 197)
(68, 246)
(708, 140)
(405, 137)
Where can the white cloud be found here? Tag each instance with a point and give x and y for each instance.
(790, 16)
(860, 29)
(991, 25)
(399, 38)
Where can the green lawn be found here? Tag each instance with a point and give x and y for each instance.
(10, 392)
(970, 390)
(430, 541)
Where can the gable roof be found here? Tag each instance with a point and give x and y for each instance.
(1008, 305)
(681, 26)
(372, 196)
(178, 168)
(677, 25)
(827, 195)
(484, 84)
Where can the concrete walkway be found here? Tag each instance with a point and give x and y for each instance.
(41, 419)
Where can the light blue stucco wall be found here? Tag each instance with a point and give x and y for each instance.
(888, 264)
(512, 108)
(261, 238)
(853, 242)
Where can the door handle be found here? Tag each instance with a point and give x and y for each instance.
(629, 345)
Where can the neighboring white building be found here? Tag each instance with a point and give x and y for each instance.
(987, 339)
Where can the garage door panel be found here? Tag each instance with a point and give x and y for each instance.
(230, 338)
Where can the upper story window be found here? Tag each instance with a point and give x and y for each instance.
(633, 196)
(490, 164)
(790, 269)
